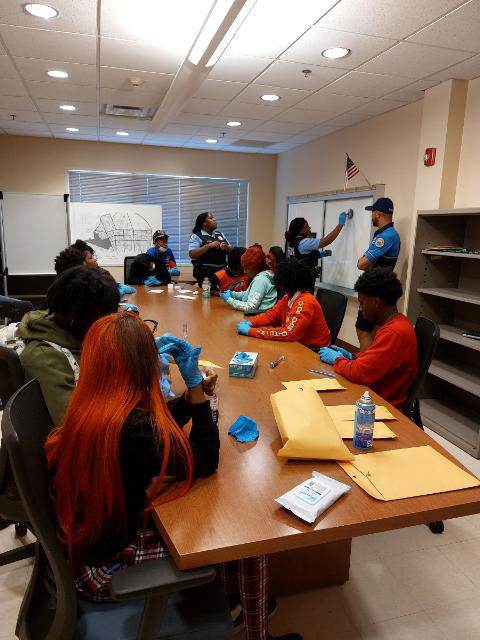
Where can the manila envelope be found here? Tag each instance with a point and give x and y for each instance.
(319, 384)
(406, 473)
(380, 430)
(306, 428)
(345, 412)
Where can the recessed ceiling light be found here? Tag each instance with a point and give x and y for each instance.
(270, 97)
(335, 52)
(73, 129)
(67, 107)
(233, 123)
(122, 133)
(211, 140)
(40, 10)
(55, 73)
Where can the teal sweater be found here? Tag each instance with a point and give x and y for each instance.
(260, 296)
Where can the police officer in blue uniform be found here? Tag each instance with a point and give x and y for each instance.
(382, 252)
(208, 248)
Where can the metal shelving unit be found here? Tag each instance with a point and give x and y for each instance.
(445, 286)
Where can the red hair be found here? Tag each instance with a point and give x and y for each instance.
(119, 371)
(254, 257)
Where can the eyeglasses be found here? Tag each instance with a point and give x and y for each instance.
(154, 325)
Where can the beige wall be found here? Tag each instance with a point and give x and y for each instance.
(385, 148)
(468, 182)
(38, 165)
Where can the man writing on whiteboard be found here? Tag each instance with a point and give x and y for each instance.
(382, 252)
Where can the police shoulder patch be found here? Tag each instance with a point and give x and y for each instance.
(379, 242)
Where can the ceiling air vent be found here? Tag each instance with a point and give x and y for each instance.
(125, 110)
(252, 143)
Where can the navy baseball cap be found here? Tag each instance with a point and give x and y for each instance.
(385, 205)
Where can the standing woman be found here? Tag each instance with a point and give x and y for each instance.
(208, 248)
(302, 247)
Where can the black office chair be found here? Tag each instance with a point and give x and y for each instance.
(14, 309)
(334, 305)
(11, 508)
(154, 600)
(127, 265)
(428, 335)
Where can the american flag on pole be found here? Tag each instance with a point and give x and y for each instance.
(351, 169)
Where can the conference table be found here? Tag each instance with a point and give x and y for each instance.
(233, 514)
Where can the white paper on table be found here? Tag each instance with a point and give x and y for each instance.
(184, 291)
(186, 297)
(156, 290)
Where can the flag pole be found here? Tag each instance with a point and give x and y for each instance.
(345, 183)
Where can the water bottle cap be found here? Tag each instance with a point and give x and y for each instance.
(366, 397)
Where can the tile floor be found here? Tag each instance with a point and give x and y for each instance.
(404, 585)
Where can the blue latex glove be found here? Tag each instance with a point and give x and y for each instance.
(243, 327)
(342, 218)
(174, 271)
(184, 355)
(151, 281)
(128, 306)
(225, 295)
(325, 253)
(123, 289)
(328, 355)
(244, 429)
(343, 352)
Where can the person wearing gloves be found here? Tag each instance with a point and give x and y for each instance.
(261, 293)
(302, 246)
(161, 251)
(208, 248)
(148, 271)
(232, 278)
(298, 316)
(389, 365)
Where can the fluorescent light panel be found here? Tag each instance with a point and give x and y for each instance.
(56, 73)
(40, 10)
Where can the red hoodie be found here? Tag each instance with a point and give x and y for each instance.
(300, 319)
(389, 365)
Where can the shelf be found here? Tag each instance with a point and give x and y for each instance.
(461, 375)
(452, 293)
(454, 334)
(458, 425)
(450, 254)
(449, 212)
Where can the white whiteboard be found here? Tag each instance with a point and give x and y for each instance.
(313, 212)
(341, 267)
(114, 230)
(35, 231)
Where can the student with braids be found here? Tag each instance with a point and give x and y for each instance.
(119, 438)
(53, 338)
(297, 316)
(389, 365)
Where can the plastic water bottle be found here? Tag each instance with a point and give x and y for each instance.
(364, 422)
(206, 288)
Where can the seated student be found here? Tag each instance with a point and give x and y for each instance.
(261, 293)
(274, 256)
(161, 251)
(389, 365)
(53, 338)
(232, 277)
(298, 316)
(149, 271)
(76, 254)
(117, 413)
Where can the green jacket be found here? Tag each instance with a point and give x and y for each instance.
(42, 361)
(260, 296)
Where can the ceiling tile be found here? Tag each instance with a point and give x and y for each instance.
(366, 85)
(12, 87)
(387, 18)
(49, 45)
(75, 16)
(70, 120)
(121, 140)
(347, 119)
(412, 92)
(288, 97)
(272, 25)
(205, 107)
(283, 127)
(220, 132)
(201, 140)
(413, 60)
(307, 116)
(467, 70)
(124, 122)
(378, 106)
(139, 56)
(33, 69)
(131, 98)
(16, 102)
(177, 130)
(264, 135)
(64, 92)
(290, 75)
(111, 78)
(322, 130)
(199, 119)
(162, 138)
(238, 110)
(25, 126)
(60, 129)
(20, 115)
(238, 68)
(82, 108)
(73, 136)
(219, 90)
(28, 132)
(325, 101)
(460, 29)
(7, 70)
(111, 133)
(308, 49)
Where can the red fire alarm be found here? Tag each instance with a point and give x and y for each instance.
(429, 157)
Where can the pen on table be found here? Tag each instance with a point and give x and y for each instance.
(276, 362)
(318, 372)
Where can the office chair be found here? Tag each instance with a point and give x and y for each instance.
(14, 309)
(154, 600)
(428, 335)
(334, 305)
(127, 265)
(11, 508)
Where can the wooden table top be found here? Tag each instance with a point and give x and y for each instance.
(233, 513)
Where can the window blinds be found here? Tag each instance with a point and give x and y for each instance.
(182, 199)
